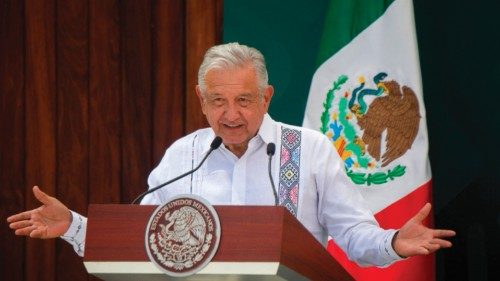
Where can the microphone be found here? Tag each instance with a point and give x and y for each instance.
(213, 146)
(271, 148)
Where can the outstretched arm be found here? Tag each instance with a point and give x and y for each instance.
(50, 220)
(416, 239)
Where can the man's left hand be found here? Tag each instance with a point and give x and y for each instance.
(416, 239)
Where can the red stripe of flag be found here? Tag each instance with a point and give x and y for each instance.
(394, 216)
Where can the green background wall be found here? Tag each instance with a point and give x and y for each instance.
(459, 45)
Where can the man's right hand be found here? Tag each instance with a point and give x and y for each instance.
(50, 220)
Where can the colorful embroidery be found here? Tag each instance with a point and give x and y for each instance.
(289, 169)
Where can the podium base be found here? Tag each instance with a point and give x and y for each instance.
(229, 271)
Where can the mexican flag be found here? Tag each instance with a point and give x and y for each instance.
(366, 96)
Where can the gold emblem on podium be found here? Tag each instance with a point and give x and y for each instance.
(183, 235)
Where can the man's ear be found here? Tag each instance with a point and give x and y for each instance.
(200, 98)
(268, 94)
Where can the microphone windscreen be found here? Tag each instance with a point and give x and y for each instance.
(216, 143)
(271, 148)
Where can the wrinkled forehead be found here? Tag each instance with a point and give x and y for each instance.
(231, 79)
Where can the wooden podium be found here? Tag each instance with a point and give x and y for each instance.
(257, 243)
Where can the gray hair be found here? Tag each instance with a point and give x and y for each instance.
(233, 55)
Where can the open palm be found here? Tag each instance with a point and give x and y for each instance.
(414, 238)
(50, 220)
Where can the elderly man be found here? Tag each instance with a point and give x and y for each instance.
(234, 94)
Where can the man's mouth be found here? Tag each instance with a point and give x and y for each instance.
(232, 125)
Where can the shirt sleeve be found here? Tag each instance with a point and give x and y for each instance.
(387, 251)
(343, 212)
(75, 235)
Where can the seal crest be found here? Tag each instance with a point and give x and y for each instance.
(182, 235)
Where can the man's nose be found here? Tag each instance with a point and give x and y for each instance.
(231, 112)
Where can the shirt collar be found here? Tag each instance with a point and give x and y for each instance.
(267, 130)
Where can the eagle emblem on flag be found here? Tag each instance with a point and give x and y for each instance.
(371, 125)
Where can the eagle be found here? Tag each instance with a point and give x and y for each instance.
(398, 113)
(188, 225)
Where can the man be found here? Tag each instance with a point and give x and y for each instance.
(234, 94)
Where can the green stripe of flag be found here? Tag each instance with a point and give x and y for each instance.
(345, 19)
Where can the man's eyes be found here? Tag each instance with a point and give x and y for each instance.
(217, 101)
(244, 101)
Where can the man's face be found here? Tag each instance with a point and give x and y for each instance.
(234, 106)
